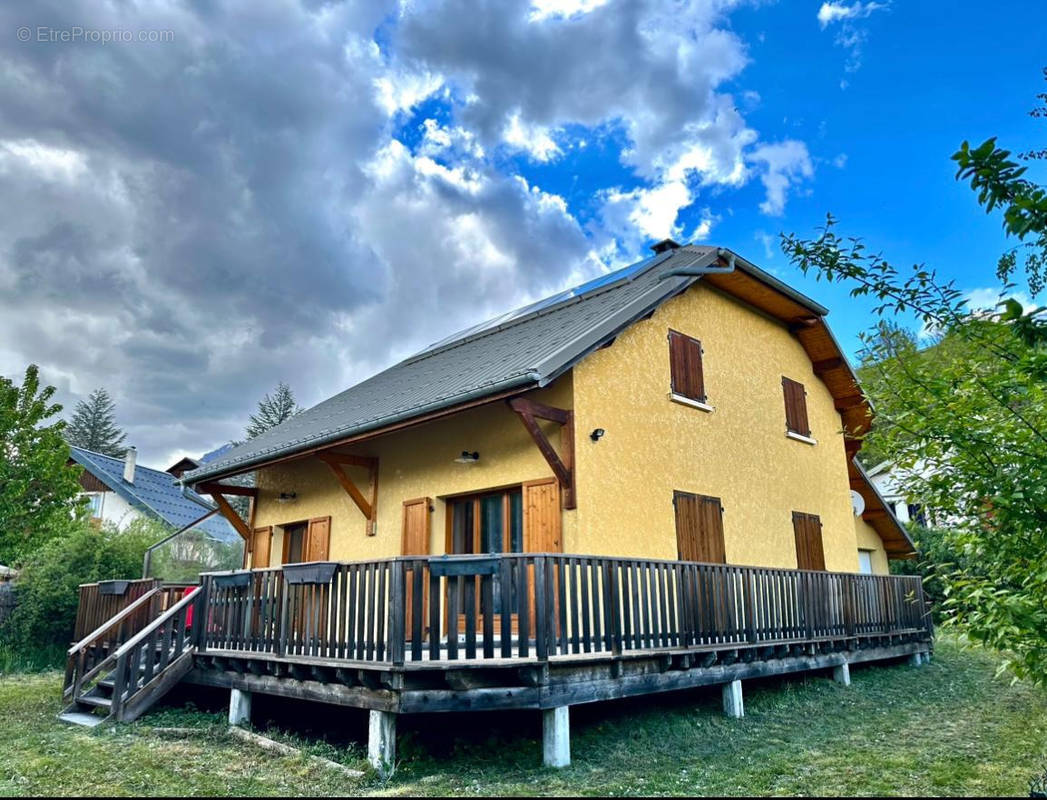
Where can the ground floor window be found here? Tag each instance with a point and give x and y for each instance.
(865, 562)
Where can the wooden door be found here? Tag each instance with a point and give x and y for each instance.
(543, 528)
(417, 518)
(261, 545)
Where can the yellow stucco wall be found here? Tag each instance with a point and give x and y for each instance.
(739, 452)
(416, 462)
(869, 539)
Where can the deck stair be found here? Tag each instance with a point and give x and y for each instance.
(111, 679)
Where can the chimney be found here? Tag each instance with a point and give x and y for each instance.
(129, 464)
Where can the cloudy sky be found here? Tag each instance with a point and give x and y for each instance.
(202, 198)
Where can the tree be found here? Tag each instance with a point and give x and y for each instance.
(272, 410)
(37, 490)
(968, 421)
(93, 426)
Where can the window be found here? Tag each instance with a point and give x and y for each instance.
(94, 502)
(307, 541)
(699, 528)
(294, 542)
(865, 562)
(685, 367)
(807, 529)
(487, 523)
(795, 408)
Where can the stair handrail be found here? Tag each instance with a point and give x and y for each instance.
(112, 621)
(121, 655)
(135, 640)
(75, 673)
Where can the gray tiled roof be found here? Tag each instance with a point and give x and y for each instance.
(156, 494)
(529, 347)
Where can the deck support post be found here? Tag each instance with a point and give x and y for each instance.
(733, 702)
(239, 707)
(842, 674)
(556, 737)
(917, 659)
(381, 742)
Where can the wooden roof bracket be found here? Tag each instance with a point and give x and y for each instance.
(368, 507)
(215, 490)
(529, 412)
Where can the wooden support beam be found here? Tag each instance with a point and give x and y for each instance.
(529, 412)
(230, 514)
(209, 487)
(368, 505)
(848, 402)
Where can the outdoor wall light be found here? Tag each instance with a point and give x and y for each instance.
(468, 458)
(287, 497)
(597, 434)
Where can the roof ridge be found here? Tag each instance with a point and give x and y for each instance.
(538, 312)
(118, 458)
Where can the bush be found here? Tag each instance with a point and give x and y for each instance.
(41, 627)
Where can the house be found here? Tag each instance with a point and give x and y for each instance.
(119, 490)
(709, 409)
(644, 483)
(890, 482)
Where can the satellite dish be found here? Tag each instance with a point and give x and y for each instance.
(857, 503)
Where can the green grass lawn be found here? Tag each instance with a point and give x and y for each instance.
(949, 728)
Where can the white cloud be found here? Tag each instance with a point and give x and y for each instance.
(836, 12)
(535, 140)
(781, 167)
(544, 9)
(850, 35)
(986, 299)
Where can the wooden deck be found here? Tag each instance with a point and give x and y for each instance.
(454, 633)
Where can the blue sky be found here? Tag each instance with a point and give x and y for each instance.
(308, 192)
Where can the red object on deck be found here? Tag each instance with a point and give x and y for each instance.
(189, 611)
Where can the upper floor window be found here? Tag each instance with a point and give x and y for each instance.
(685, 367)
(795, 408)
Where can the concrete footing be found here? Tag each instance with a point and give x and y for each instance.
(918, 659)
(733, 702)
(239, 707)
(842, 674)
(381, 742)
(556, 737)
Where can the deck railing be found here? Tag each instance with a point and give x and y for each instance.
(542, 606)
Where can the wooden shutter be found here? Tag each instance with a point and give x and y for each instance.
(415, 539)
(699, 528)
(808, 531)
(542, 517)
(685, 366)
(795, 407)
(261, 544)
(317, 540)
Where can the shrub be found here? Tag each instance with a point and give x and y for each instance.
(41, 626)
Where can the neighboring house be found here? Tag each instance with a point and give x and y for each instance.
(705, 416)
(642, 484)
(889, 481)
(119, 490)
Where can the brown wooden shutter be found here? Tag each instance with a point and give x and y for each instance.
(415, 540)
(685, 366)
(795, 407)
(261, 543)
(317, 540)
(807, 529)
(699, 528)
(542, 516)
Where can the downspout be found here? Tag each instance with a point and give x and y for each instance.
(149, 550)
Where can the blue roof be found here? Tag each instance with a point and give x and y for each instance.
(156, 493)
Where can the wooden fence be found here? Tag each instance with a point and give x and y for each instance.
(541, 606)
